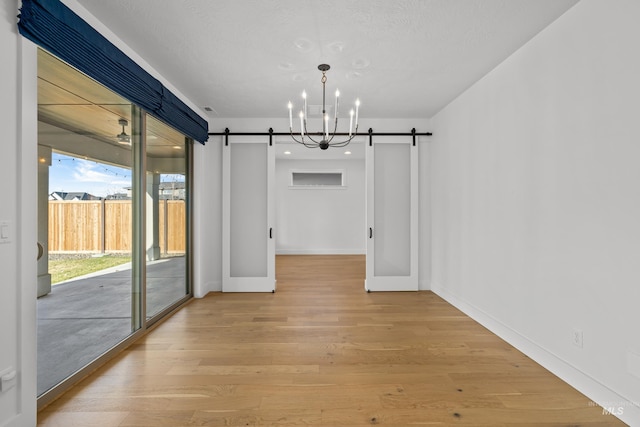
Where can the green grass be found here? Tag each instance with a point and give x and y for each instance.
(68, 268)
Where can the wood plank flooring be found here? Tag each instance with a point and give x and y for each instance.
(321, 351)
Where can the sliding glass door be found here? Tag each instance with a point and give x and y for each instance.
(113, 223)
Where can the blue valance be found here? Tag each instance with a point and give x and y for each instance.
(56, 28)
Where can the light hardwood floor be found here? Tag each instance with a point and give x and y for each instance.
(321, 351)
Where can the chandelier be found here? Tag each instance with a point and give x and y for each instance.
(326, 138)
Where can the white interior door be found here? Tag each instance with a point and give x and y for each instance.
(248, 256)
(392, 215)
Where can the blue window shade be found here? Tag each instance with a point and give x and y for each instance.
(56, 28)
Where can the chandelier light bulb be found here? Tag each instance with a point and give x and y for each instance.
(304, 96)
(326, 126)
(350, 122)
(301, 125)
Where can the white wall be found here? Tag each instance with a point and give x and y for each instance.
(536, 200)
(424, 220)
(320, 221)
(207, 217)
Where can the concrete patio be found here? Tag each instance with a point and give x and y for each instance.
(83, 318)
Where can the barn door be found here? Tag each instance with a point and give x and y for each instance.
(248, 216)
(392, 215)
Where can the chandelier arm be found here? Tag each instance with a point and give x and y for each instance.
(310, 145)
(311, 139)
(295, 139)
(303, 142)
(308, 134)
(335, 129)
(347, 141)
(341, 143)
(306, 144)
(304, 123)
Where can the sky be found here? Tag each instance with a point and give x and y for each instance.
(73, 174)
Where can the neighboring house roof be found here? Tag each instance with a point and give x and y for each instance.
(179, 185)
(118, 196)
(72, 195)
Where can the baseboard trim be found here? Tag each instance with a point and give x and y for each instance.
(424, 285)
(212, 286)
(590, 387)
(320, 252)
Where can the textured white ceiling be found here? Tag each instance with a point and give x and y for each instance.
(248, 58)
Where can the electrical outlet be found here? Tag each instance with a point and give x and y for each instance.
(8, 379)
(577, 337)
(633, 363)
(5, 232)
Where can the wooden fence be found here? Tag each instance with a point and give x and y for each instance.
(104, 226)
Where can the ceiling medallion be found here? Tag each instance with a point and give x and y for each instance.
(326, 137)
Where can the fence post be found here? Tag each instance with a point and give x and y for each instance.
(166, 227)
(103, 234)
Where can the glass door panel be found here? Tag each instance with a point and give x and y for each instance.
(84, 221)
(392, 202)
(166, 219)
(248, 212)
(392, 216)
